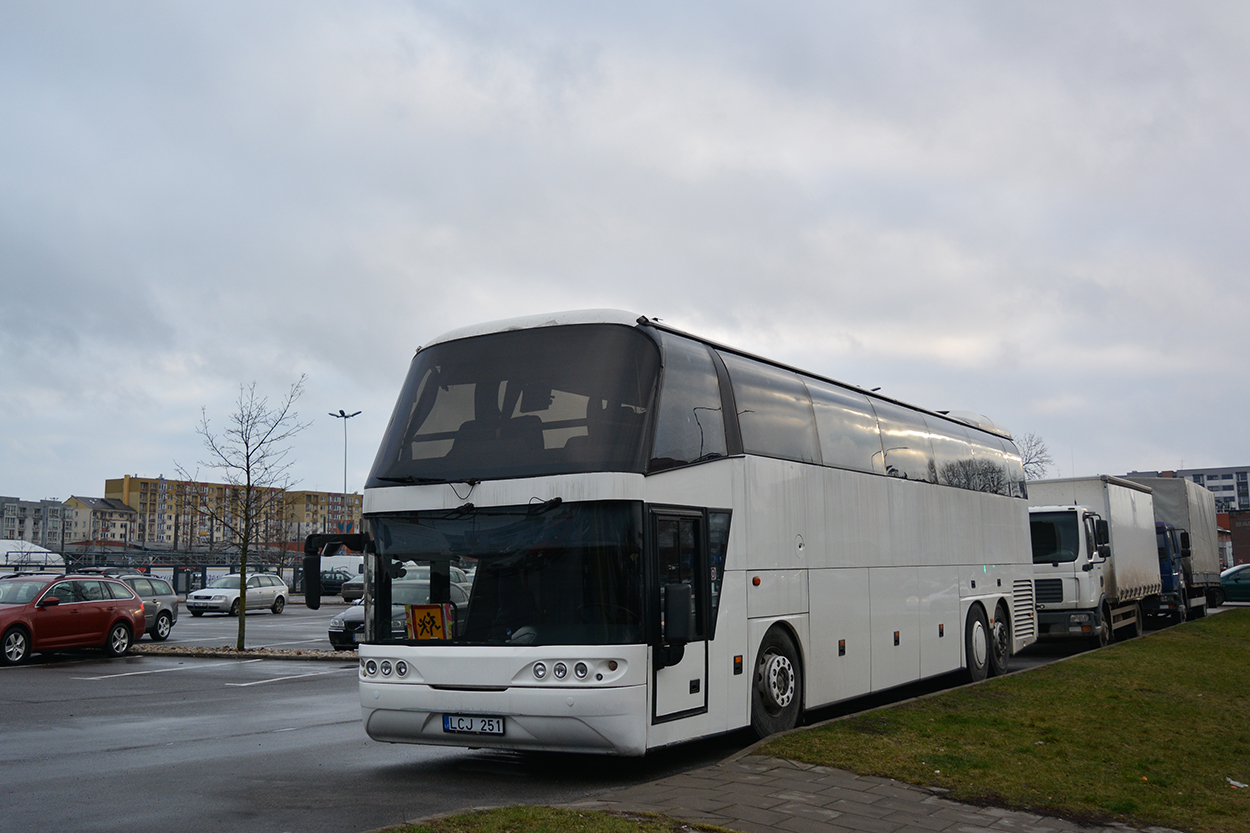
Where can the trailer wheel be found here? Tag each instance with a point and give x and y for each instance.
(976, 644)
(1134, 630)
(1000, 641)
(777, 693)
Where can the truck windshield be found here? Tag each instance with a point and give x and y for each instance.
(1056, 537)
(551, 400)
(529, 575)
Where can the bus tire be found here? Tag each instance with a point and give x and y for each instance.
(976, 644)
(777, 689)
(1000, 641)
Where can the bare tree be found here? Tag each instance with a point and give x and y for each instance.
(1035, 456)
(252, 455)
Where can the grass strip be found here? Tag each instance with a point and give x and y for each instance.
(1155, 731)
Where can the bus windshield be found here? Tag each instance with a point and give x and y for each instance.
(546, 574)
(525, 403)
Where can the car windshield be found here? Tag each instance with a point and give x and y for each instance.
(564, 574)
(230, 582)
(20, 592)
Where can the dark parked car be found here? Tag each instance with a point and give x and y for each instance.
(347, 628)
(1235, 582)
(332, 581)
(353, 590)
(42, 612)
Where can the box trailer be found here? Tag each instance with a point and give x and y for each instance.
(1189, 546)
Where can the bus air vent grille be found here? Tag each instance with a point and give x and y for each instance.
(1024, 623)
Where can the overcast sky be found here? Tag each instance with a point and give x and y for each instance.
(1035, 211)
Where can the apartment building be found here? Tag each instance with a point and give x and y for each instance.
(99, 521)
(308, 513)
(183, 514)
(1229, 484)
(41, 522)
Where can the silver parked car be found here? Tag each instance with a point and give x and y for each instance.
(160, 603)
(222, 595)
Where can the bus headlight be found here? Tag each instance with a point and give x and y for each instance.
(540, 670)
(560, 670)
(580, 670)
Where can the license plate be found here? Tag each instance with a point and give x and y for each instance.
(472, 724)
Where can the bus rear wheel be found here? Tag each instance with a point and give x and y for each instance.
(777, 690)
(1000, 641)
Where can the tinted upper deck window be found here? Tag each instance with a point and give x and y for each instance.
(774, 410)
(549, 400)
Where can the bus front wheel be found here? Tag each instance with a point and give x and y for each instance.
(777, 693)
(977, 644)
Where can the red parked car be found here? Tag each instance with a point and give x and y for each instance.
(46, 612)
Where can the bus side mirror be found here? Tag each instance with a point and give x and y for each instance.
(678, 614)
(678, 624)
(312, 581)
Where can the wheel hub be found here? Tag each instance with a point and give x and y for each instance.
(779, 680)
(980, 645)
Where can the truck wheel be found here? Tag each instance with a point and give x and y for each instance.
(1102, 637)
(777, 692)
(1000, 641)
(976, 644)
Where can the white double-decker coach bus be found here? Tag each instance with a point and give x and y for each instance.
(591, 532)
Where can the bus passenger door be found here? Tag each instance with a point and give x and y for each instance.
(680, 682)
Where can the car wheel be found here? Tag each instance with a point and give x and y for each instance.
(278, 604)
(234, 608)
(119, 640)
(16, 646)
(777, 693)
(164, 624)
(197, 613)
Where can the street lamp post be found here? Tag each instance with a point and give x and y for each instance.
(343, 415)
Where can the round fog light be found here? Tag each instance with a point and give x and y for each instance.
(401, 668)
(540, 670)
(581, 670)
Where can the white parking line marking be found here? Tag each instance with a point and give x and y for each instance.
(163, 670)
(291, 677)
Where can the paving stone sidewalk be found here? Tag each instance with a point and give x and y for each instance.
(758, 794)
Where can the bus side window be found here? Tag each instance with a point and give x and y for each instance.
(849, 437)
(690, 426)
(905, 438)
(774, 411)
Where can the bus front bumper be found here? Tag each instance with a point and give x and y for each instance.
(610, 721)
